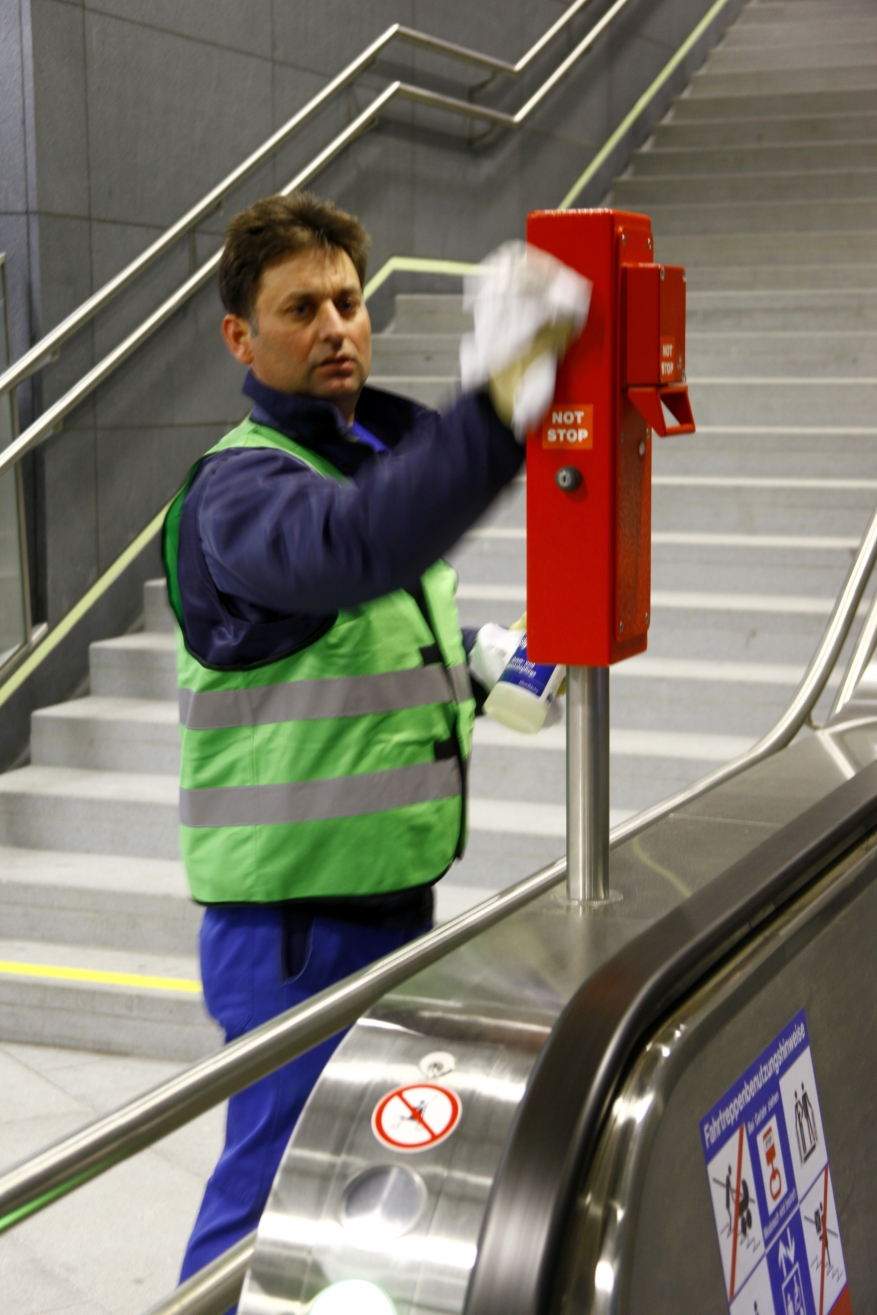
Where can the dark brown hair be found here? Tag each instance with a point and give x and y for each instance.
(276, 227)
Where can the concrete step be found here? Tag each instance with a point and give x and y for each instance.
(828, 27)
(762, 511)
(785, 401)
(810, 354)
(774, 159)
(429, 313)
(634, 784)
(97, 899)
(767, 571)
(817, 190)
(747, 248)
(730, 450)
(689, 561)
(806, 354)
(416, 354)
(138, 666)
(108, 734)
(766, 81)
(770, 102)
(802, 280)
(816, 56)
(795, 12)
(840, 315)
(70, 808)
(696, 699)
(157, 610)
(748, 219)
(738, 636)
(761, 131)
(119, 1001)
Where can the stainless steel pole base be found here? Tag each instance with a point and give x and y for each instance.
(587, 784)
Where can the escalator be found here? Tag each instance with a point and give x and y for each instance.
(595, 1110)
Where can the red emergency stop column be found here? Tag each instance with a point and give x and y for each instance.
(589, 493)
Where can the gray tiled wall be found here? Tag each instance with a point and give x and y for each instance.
(137, 107)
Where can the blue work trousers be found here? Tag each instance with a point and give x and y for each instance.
(256, 962)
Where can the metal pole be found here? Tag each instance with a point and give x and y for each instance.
(587, 784)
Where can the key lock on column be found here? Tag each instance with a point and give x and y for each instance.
(589, 494)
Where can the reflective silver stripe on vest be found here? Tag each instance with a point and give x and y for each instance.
(460, 682)
(307, 700)
(315, 801)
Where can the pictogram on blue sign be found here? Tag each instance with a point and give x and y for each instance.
(771, 1190)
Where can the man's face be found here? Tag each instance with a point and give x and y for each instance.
(310, 332)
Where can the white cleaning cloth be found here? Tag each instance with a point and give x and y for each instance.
(527, 307)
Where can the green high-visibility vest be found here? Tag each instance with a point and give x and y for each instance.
(333, 771)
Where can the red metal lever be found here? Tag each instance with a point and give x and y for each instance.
(648, 400)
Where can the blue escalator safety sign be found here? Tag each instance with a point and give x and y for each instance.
(770, 1187)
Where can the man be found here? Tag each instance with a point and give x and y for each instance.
(325, 704)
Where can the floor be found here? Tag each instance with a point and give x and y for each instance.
(113, 1247)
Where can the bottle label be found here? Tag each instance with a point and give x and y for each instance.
(541, 679)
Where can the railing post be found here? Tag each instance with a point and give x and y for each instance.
(587, 784)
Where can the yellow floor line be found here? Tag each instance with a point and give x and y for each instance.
(52, 972)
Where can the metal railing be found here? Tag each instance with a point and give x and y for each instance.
(115, 1137)
(16, 629)
(48, 347)
(42, 640)
(94, 1149)
(50, 420)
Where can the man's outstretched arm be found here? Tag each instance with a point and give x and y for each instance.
(277, 536)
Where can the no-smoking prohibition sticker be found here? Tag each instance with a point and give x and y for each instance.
(417, 1117)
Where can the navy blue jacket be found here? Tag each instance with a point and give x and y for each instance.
(270, 550)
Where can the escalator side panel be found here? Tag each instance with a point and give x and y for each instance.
(601, 1031)
(642, 1235)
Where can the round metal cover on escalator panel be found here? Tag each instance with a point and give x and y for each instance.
(382, 1203)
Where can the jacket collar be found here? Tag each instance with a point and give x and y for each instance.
(309, 419)
(313, 422)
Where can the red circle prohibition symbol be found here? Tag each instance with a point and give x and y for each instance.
(417, 1117)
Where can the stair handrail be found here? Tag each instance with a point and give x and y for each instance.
(92, 1150)
(50, 421)
(48, 347)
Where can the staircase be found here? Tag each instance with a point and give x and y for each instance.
(762, 181)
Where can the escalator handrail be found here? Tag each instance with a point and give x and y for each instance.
(557, 1125)
(48, 346)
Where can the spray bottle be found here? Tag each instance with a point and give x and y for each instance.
(525, 691)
